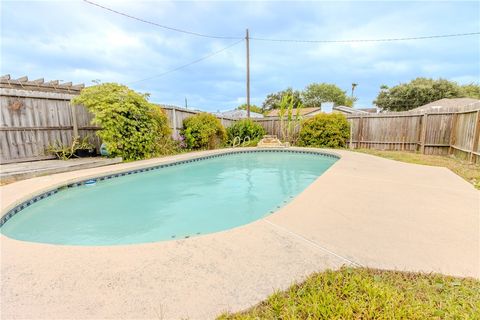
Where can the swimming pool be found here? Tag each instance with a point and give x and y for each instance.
(173, 201)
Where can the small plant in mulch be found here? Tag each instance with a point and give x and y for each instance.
(65, 152)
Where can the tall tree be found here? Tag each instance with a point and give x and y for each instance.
(316, 93)
(417, 92)
(273, 100)
(354, 85)
(471, 90)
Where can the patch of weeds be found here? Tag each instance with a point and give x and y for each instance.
(362, 293)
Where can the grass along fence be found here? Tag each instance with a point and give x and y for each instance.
(441, 133)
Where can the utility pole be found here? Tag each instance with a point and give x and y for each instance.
(247, 39)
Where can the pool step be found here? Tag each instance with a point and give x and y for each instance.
(271, 141)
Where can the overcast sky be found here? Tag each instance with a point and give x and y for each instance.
(75, 41)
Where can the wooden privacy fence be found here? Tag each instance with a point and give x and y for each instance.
(442, 133)
(273, 126)
(176, 115)
(47, 118)
(36, 114)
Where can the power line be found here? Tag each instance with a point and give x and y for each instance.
(189, 64)
(370, 40)
(281, 40)
(160, 25)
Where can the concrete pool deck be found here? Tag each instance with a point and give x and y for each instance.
(12, 172)
(364, 210)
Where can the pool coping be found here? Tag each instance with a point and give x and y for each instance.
(364, 210)
(23, 201)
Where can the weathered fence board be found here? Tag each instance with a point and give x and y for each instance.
(467, 135)
(176, 116)
(438, 133)
(46, 118)
(32, 120)
(397, 133)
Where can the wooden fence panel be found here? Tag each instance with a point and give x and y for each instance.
(476, 141)
(226, 122)
(84, 124)
(272, 126)
(30, 121)
(43, 118)
(176, 116)
(429, 133)
(46, 118)
(438, 132)
(36, 124)
(466, 132)
(384, 133)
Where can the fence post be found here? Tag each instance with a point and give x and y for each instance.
(424, 133)
(476, 136)
(452, 133)
(360, 132)
(174, 122)
(351, 134)
(74, 121)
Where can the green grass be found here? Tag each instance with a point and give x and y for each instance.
(466, 170)
(362, 293)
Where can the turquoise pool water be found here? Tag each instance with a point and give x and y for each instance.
(170, 203)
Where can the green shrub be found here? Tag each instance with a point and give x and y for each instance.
(325, 131)
(164, 143)
(203, 131)
(131, 126)
(246, 128)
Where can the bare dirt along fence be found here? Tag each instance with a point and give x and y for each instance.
(446, 132)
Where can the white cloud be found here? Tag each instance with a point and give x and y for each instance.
(78, 42)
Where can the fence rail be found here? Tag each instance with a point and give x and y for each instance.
(176, 115)
(438, 133)
(30, 121)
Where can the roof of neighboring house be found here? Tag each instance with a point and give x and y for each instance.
(451, 104)
(303, 111)
(238, 114)
(369, 110)
(349, 110)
